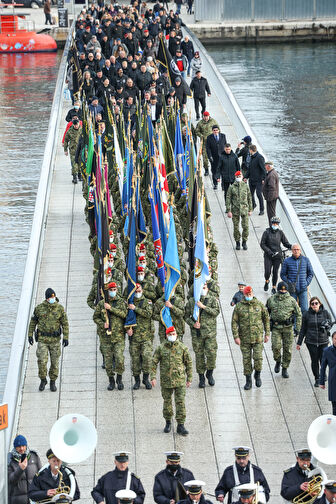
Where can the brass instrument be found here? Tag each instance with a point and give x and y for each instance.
(315, 488)
(63, 492)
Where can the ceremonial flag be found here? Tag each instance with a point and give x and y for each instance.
(179, 155)
(119, 161)
(201, 270)
(141, 223)
(157, 239)
(131, 270)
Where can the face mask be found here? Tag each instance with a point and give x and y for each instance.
(238, 179)
(172, 338)
(173, 467)
(275, 227)
(52, 300)
(138, 295)
(112, 294)
(248, 298)
(76, 107)
(114, 254)
(111, 239)
(111, 263)
(141, 278)
(204, 292)
(143, 265)
(282, 292)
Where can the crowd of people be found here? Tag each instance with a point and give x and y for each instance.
(127, 76)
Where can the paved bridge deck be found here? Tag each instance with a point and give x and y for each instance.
(273, 420)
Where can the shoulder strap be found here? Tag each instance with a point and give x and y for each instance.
(128, 481)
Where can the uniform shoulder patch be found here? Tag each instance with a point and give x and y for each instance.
(287, 470)
(135, 476)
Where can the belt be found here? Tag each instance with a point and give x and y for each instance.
(50, 334)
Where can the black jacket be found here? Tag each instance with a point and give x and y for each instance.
(291, 481)
(113, 481)
(227, 166)
(227, 481)
(311, 329)
(165, 484)
(256, 171)
(199, 87)
(202, 500)
(181, 94)
(44, 481)
(143, 80)
(19, 480)
(72, 113)
(271, 241)
(244, 153)
(214, 149)
(188, 49)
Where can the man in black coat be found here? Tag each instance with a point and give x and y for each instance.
(199, 86)
(271, 190)
(75, 112)
(46, 481)
(240, 473)
(195, 493)
(214, 147)
(256, 173)
(169, 483)
(227, 166)
(118, 479)
(295, 479)
(188, 50)
(329, 495)
(180, 93)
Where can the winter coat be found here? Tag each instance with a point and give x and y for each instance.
(329, 359)
(256, 171)
(199, 87)
(227, 166)
(289, 271)
(195, 65)
(311, 330)
(188, 49)
(271, 241)
(271, 186)
(19, 480)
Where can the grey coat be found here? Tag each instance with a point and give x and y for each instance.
(18, 480)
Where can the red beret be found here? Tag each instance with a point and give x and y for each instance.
(140, 268)
(206, 113)
(112, 285)
(142, 246)
(238, 173)
(108, 271)
(142, 258)
(113, 246)
(170, 329)
(137, 285)
(111, 232)
(247, 290)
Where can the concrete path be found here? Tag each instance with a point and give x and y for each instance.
(273, 420)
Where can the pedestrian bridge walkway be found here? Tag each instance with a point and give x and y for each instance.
(273, 420)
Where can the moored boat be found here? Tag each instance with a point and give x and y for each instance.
(15, 38)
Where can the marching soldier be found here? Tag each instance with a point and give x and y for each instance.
(282, 309)
(71, 140)
(195, 493)
(51, 320)
(48, 480)
(176, 306)
(240, 473)
(239, 206)
(203, 333)
(119, 479)
(175, 375)
(169, 483)
(249, 322)
(110, 319)
(295, 479)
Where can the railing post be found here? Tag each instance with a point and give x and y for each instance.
(283, 10)
(252, 10)
(314, 10)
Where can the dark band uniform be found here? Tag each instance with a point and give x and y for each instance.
(188, 500)
(195, 488)
(113, 481)
(245, 493)
(331, 486)
(227, 481)
(43, 481)
(292, 479)
(168, 485)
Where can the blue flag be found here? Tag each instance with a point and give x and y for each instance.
(179, 155)
(131, 273)
(141, 223)
(201, 269)
(157, 241)
(173, 270)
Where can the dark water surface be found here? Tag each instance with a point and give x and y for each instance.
(288, 94)
(27, 84)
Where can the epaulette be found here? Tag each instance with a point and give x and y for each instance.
(135, 476)
(287, 470)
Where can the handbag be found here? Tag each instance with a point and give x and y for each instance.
(292, 285)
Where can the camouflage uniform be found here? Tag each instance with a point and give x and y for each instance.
(116, 277)
(203, 130)
(141, 342)
(249, 321)
(71, 139)
(204, 340)
(177, 315)
(175, 370)
(239, 202)
(282, 309)
(112, 345)
(51, 321)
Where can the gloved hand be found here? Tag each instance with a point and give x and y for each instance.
(65, 342)
(31, 340)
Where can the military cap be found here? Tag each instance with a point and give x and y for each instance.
(121, 456)
(242, 283)
(170, 329)
(50, 454)
(206, 113)
(140, 268)
(194, 486)
(247, 490)
(142, 258)
(125, 496)
(303, 454)
(113, 246)
(49, 292)
(112, 285)
(137, 285)
(247, 290)
(238, 173)
(173, 456)
(330, 485)
(142, 246)
(242, 451)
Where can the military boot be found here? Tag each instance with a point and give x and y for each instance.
(277, 367)
(209, 375)
(237, 245)
(120, 382)
(79, 176)
(257, 378)
(146, 381)
(248, 384)
(136, 385)
(244, 245)
(53, 387)
(201, 380)
(42, 385)
(182, 430)
(285, 373)
(74, 179)
(111, 385)
(167, 426)
(103, 365)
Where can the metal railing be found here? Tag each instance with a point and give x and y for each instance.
(263, 10)
(290, 222)
(18, 355)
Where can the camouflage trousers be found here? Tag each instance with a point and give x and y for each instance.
(245, 226)
(179, 396)
(74, 165)
(249, 351)
(49, 346)
(205, 348)
(113, 354)
(141, 356)
(282, 337)
(205, 157)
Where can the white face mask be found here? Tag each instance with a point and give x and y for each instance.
(111, 239)
(112, 294)
(141, 278)
(238, 179)
(113, 254)
(111, 263)
(52, 300)
(172, 338)
(143, 265)
(138, 295)
(204, 292)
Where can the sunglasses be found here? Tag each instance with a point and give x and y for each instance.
(314, 303)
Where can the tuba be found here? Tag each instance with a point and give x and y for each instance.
(317, 479)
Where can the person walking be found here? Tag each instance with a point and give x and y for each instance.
(283, 310)
(215, 146)
(298, 273)
(51, 320)
(315, 332)
(256, 175)
(239, 207)
(249, 322)
(199, 86)
(228, 165)
(71, 140)
(195, 64)
(175, 376)
(47, 12)
(271, 241)
(329, 360)
(243, 151)
(169, 483)
(23, 464)
(203, 130)
(271, 190)
(188, 50)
